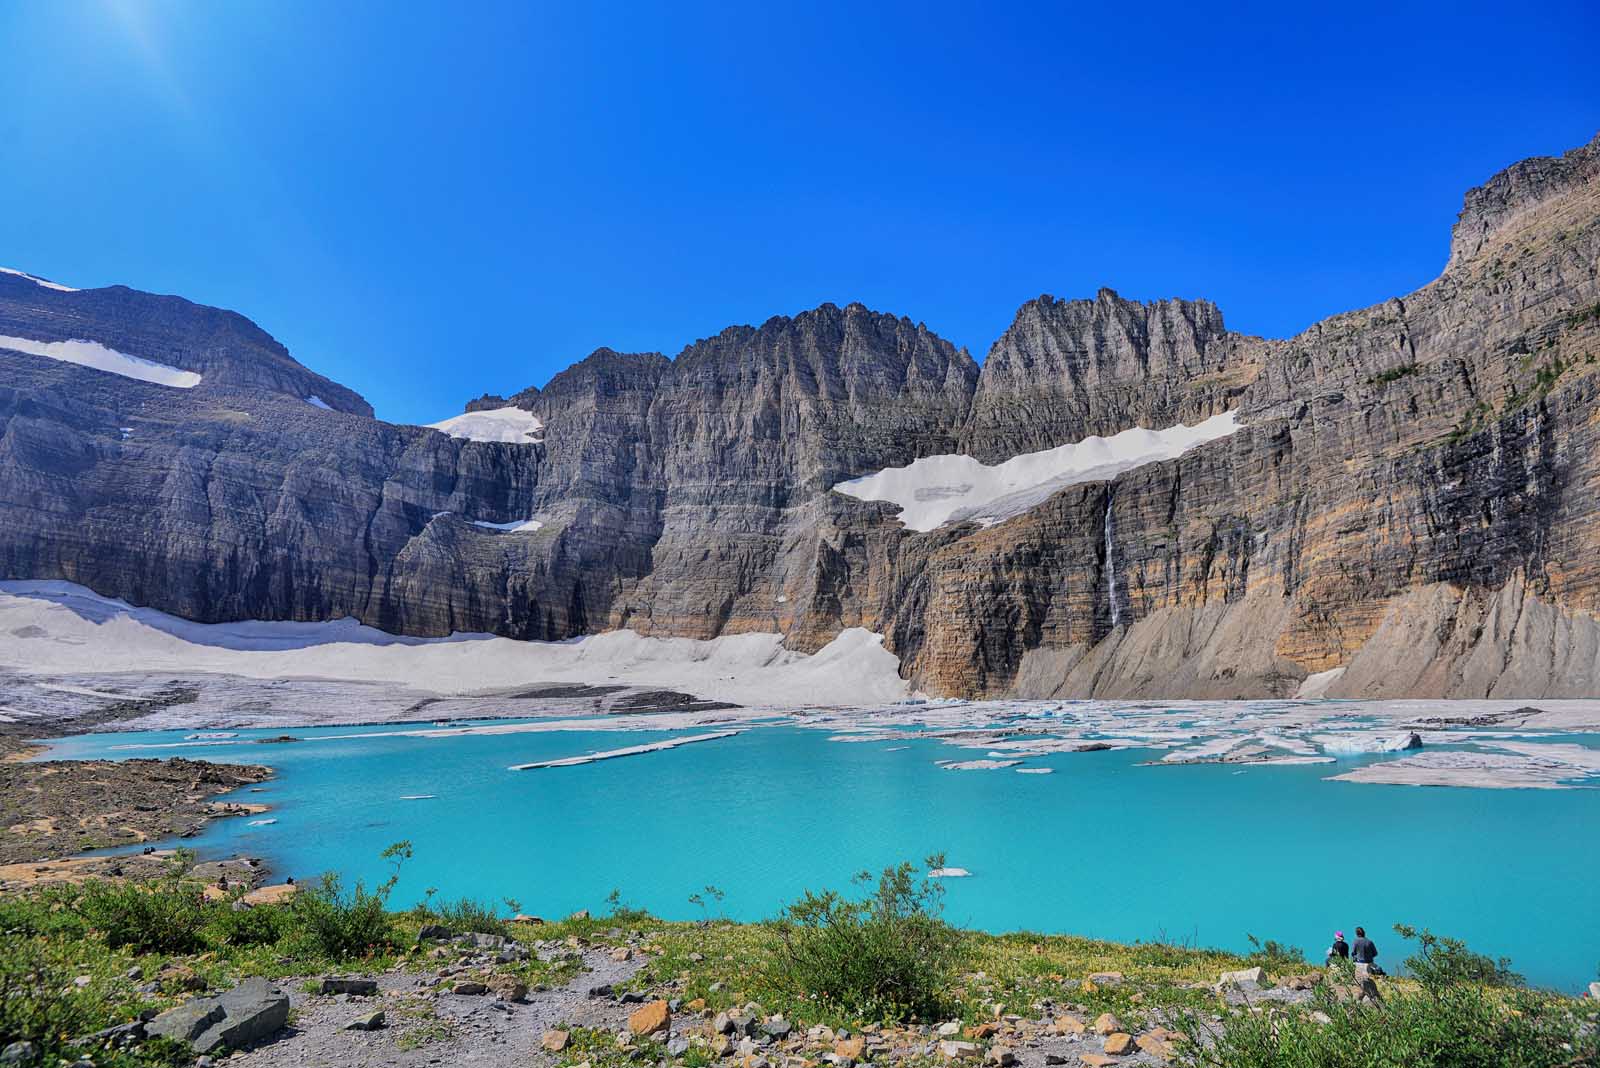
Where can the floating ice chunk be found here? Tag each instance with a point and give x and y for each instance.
(94, 355)
(936, 490)
(949, 873)
(260, 823)
(1035, 771)
(418, 797)
(979, 765)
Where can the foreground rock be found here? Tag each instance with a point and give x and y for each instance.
(253, 1010)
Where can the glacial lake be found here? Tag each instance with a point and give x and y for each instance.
(1199, 854)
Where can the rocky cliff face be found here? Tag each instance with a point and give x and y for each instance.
(1412, 502)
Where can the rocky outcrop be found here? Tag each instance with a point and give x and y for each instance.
(1412, 499)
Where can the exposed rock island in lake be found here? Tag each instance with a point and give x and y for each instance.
(1404, 502)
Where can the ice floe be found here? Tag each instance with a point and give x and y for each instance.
(515, 425)
(936, 490)
(94, 355)
(949, 873)
(627, 751)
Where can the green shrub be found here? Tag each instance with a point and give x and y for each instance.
(164, 916)
(38, 1003)
(1462, 1027)
(887, 956)
(1276, 957)
(331, 922)
(468, 914)
(1444, 962)
(262, 925)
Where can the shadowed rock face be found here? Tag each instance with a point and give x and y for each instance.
(1422, 474)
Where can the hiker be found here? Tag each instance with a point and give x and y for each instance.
(1363, 952)
(1340, 949)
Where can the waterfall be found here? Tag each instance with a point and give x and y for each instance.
(1111, 563)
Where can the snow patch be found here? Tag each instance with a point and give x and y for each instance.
(516, 526)
(94, 355)
(1316, 686)
(936, 490)
(38, 281)
(514, 425)
(81, 628)
(317, 402)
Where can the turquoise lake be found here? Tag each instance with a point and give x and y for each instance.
(1197, 854)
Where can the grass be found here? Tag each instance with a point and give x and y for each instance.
(880, 958)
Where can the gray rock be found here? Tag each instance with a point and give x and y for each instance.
(371, 1021)
(253, 1010)
(343, 984)
(17, 1053)
(186, 1022)
(435, 932)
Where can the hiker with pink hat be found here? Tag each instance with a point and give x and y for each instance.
(1340, 949)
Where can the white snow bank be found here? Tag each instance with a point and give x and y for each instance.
(37, 281)
(1315, 686)
(941, 489)
(95, 355)
(516, 526)
(317, 402)
(85, 632)
(499, 424)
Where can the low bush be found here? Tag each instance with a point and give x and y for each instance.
(1460, 1027)
(886, 956)
(1444, 962)
(468, 914)
(332, 922)
(164, 916)
(1276, 957)
(263, 925)
(38, 1003)
(1468, 1014)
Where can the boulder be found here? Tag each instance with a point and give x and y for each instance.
(18, 1053)
(850, 1048)
(253, 1010)
(1254, 976)
(1119, 1044)
(555, 1041)
(1106, 1024)
(982, 1031)
(1000, 1057)
(1158, 1043)
(187, 1022)
(959, 1051)
(371, 1021)
(1594, 991)
(508, 988)
(348, 985)
(721, 1045)
(1067, 1024)
(950, 1029)
(435, 932)
(650, 1019)
(470, 988)
(621, 953)
(1096, 1060)
(778, 1028)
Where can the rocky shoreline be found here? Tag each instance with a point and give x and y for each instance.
(53, 811)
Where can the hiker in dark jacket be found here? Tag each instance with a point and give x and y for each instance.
(1340, 950)
(1363, 951)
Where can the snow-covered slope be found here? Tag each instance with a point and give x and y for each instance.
(516, 526)
(59, 627)
(95, 355)
(499, 424)
(38, 281)
(941, 489)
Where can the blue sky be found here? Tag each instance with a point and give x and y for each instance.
(430, 201)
